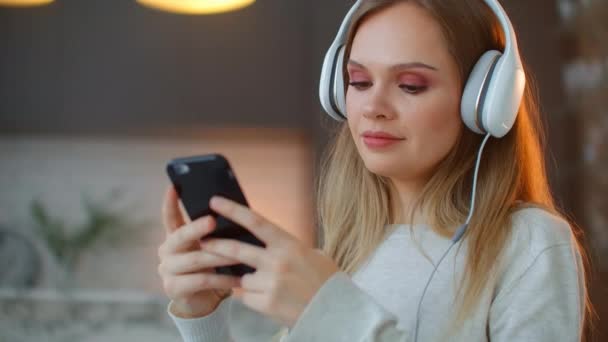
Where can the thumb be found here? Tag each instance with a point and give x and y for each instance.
(172, 216)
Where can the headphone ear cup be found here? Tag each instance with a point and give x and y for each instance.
(331, 84)
(338, 84)
(503, 96)
(473, 96)
(327, 83)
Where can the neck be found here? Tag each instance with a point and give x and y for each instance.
(404, 195)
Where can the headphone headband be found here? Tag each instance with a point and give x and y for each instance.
(511, 47)
(341, 36)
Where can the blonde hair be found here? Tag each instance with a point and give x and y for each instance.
(355, 204)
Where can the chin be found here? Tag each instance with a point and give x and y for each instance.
(384, 165)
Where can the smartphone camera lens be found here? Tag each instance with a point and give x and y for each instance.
(181, 169)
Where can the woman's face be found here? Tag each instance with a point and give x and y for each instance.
(404, 84)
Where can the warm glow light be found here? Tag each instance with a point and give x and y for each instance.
(24, 3)
(196, 6)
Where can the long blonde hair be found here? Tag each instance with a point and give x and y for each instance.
(355, 204)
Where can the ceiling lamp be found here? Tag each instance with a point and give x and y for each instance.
(24, 3)
(196, 6)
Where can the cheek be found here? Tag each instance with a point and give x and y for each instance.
(437, 125)
(353, 118)
(439, 109)
(353, 125)
(440, 122)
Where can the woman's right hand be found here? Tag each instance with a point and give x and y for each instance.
(187, 272)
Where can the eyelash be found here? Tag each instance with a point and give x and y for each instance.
(407, 88)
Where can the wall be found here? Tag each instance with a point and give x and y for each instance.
(273, 169)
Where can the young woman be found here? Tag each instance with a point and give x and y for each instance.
(404, 182)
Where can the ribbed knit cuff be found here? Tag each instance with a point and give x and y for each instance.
(210, 328)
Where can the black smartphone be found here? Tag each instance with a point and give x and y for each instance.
(196, 179)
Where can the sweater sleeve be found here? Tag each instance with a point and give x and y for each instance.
(210, 328)
(341, 311)
(545, 302)
(231, 321)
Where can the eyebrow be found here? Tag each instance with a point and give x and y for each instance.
(410, 65)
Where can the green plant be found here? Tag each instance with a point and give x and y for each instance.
(68, 243)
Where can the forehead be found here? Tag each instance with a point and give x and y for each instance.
(404, 32)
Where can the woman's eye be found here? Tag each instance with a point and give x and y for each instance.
(412, 89)
(360, 85)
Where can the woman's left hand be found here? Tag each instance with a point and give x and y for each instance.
(288, 273)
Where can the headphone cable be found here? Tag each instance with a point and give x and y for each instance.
(457, 235)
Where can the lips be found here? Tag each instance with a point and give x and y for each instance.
(379, 139)
(380, 135)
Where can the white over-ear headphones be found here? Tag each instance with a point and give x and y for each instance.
(492, 94)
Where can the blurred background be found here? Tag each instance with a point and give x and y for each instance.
(97, 95)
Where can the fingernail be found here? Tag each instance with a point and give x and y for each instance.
(206, 222)
(217, 201)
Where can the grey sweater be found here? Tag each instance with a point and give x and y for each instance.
(538, 294)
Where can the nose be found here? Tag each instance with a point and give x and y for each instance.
(378, 106)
